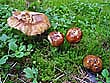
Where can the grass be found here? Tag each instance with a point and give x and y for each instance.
(93, 19)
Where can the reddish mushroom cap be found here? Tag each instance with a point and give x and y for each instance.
(30, 23)
(93, 63)
(56, 38)
(74, 35)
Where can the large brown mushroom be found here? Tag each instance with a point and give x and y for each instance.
(30, 23)
(93, 63)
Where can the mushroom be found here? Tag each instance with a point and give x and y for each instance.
(74, 35)
(30, 23)
(56, 38)
(93, 63)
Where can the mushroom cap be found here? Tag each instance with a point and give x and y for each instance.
(74, 35)
(30, 23)
(56, 38)
(93, 63)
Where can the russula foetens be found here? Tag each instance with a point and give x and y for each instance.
(56, 38)
(93, 63)
(30, 23)
(74, 35)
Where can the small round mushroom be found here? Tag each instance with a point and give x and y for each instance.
(74, 35)
(30, 23)
(93, 63)
(56, 38)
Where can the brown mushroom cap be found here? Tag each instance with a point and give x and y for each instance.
(30, 23)
(94, 63)
(74, 35)
(56, 38)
